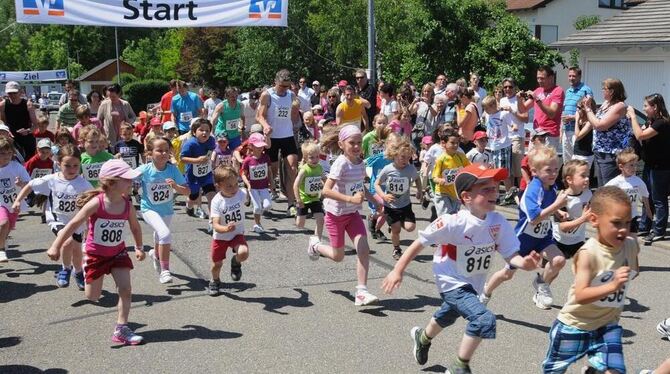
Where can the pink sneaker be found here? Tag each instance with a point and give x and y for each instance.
(123, 334)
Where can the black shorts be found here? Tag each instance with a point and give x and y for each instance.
(76, 237)
(569, 250)
(404, 214)
(315, 207)
(205, 190)
(286, 145)
(635, 225)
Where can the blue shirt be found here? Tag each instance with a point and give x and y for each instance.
(533, 201)
(573, 96)
(194, 149)
(185, 109)
(157, 195)
(377, 163)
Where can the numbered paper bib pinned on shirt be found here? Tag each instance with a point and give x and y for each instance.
(352, 189)
(632, 195)
(226, 160)
(39, 173)
(185, 117)
(91, 171)
(449, 175)
(283, 111)
(616, 299)
(232, 216)
(131, 161)
(64, 204)
(474, 259)
(159, 193)
(232, 124)
(538, 231)
(313, 186)
(200, 170)
(377, 149)
(8, 197)
(109, 232)
(258, 172)
(397, 185)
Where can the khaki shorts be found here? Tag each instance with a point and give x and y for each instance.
(518, 149)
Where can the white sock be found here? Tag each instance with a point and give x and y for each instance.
(361, 288)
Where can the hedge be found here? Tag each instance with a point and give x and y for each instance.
(144, 92)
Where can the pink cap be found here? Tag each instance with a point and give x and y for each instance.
(427, 140)
(257, 140)
(118, 168)
(342, 83)
(348, 131)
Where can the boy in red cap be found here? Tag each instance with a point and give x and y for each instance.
(480, 154)
(466, 243)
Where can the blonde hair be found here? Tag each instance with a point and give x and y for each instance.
(607, 196)
(42, 119)
(223, 173)
(105, 185)
(570, 168)
(309, 148)
(126, 126)
(380, 116)
(489, 101)
(541, 156)
(626, 156)
(89, 132)
(397, 145)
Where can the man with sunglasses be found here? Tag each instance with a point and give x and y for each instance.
(573, 96)
(509, 103)
(277, 113)
(19, 115)
(368, 92)
(305, 95)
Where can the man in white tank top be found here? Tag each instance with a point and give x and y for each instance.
(276, 113)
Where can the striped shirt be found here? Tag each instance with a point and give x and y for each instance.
(349, 179)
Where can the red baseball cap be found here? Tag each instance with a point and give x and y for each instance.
(480, 135)
(342, 83)
(156, 121)
(475, 173)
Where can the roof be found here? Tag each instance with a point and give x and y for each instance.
(99, 68)
(515, 5)
(646, 24)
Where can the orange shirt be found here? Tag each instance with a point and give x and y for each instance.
(166, 105)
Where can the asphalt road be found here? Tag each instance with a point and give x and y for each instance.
(287, 314)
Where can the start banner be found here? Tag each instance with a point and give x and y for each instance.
(37, 75)
(154, 13)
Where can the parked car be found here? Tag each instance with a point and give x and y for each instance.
(54, 98)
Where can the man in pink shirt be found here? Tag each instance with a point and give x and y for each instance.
(547, 101)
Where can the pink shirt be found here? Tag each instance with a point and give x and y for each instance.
(541, 120)
(79, 126)
(257, 171)
(401, 128)
(106, 231)
(349, 179)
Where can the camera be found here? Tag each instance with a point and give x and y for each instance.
(524, 95)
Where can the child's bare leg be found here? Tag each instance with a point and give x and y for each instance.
(94, 289)
(395, 233)
(216, 270)
(554, 265)
(409, 226)
(122, 279)
(242, 253)
(497, 279)
(318, 231)
(4, 233)
(363, 256)
(300, 221)
(468, 347)
(433, 329)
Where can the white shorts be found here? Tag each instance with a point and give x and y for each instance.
(261, 200)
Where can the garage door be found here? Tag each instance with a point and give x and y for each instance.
(640, 78)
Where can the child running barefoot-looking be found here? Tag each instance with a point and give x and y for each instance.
(308, 186)
(459, 271)
(158, 179)
(344, 192)
(588, 323)
(108, 210)
(62, 188)
(228, 220)
(398, 177)
(12, 177)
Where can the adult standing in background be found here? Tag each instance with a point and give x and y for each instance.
(573, 96)
(368, 92)
(611, 129)
(316, 97)
(547, 101)
(113, 111)
(94, 98)
(425, 113)
(67, 112)
(305, 95)
(509, 103)
(352, 111)
(19, 115)
(251, 108)
(166, 101)
(480, 92)
(186, 105)
(211, 103)
(440, 84)
(228, 118)
(68, 86)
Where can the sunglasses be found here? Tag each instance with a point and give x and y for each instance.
(357, 78)
(508, 87)
(332, 97)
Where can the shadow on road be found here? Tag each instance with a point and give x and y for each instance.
(12, 291)
(654, 268)
(187, 332)
(273, 304)
(109, 300)
(9, 341)
(544, 329)
(415, 305)
(435, 369)
(25, 369)
(35, 269)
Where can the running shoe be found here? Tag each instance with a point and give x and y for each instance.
(453, 369)
(381, 236)
(275, 196)
(258, 229)
(373, 233)
(190, 212)
(165, 277)
(311, 250)
(291, 211)
(44, 218)
(210, 228)
(63, 278)
(235, 269)
(663, 328)
(397, 253)
(420, 350)
(201, 213)
(425, 202)
(123, 334)
(79, 280)
(651, 237)
(543, 298)
(213, 287)
(154, 261)
(3, 256)
(364, 297)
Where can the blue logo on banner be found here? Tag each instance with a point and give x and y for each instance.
(264, 9)
(44, 7)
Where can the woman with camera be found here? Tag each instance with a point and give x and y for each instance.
(422, 108)
(655, 140)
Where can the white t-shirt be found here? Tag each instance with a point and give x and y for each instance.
(513, 104)
(305, 97)
(62, 193)
(498, 126)
(249, 114)
(634, 188)
(388, 108)
(574, 207)
(210, 104)
(431, 156)
(465, 247)
(9, 189)
(229, 210)
(480, 157)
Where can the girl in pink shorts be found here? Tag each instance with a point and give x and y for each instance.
(108, 211)
(13, 176)
(343, 195)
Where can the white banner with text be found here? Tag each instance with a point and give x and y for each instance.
(37, 75)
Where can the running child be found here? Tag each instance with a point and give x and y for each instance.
(376, 162)
(424, 173)
(397, 177)
(370, 140)
(447, 165)
(38, 166)
(196, 153)
(128, 149)
(222, 154)
(588, 323)
(498, 127)
(308, 186)
(343, 193)
(570, 234)
(479, 154)
(634, 186)
(539, 202)
(108, 211)
(158, 179)
(62, 189)
(13, 176)
(257, 174)
(63, 137)
(84, 119)
(94, 154)
(459, 271)
(228, 220)
(41, 132)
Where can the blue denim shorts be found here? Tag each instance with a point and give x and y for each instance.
(464, 302)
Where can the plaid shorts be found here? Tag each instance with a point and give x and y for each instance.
(502, 158)
(568, 344)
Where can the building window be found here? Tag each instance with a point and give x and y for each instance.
(546, 33)
(613, 4)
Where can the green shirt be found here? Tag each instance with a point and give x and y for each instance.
(312, 183)
(229, 120)
(66, 115)
(90, 165)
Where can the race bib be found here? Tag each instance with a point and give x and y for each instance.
(449, 175)
(258, 172)
(313, 186)
(397, 185)
(64, 204)
(617, 298)
(91, 171)
(131, 161)
(377, 149)
(538, 231)
(8, 196)
(226, 160)
(39, 173)
(232, 124)
(474, 259)
(159, 193)
(200, 170)
(185, 117)
(109, 232)
(232, 216)
(352, 189)
(283, 112)
(632, 195)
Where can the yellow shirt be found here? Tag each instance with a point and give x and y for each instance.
(604, 261)
(176, 152)
(351, 113)
(447, 166)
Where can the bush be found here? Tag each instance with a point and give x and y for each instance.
(126, 78)
(143, 92)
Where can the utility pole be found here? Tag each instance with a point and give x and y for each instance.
(372, 64)
(118, 62)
